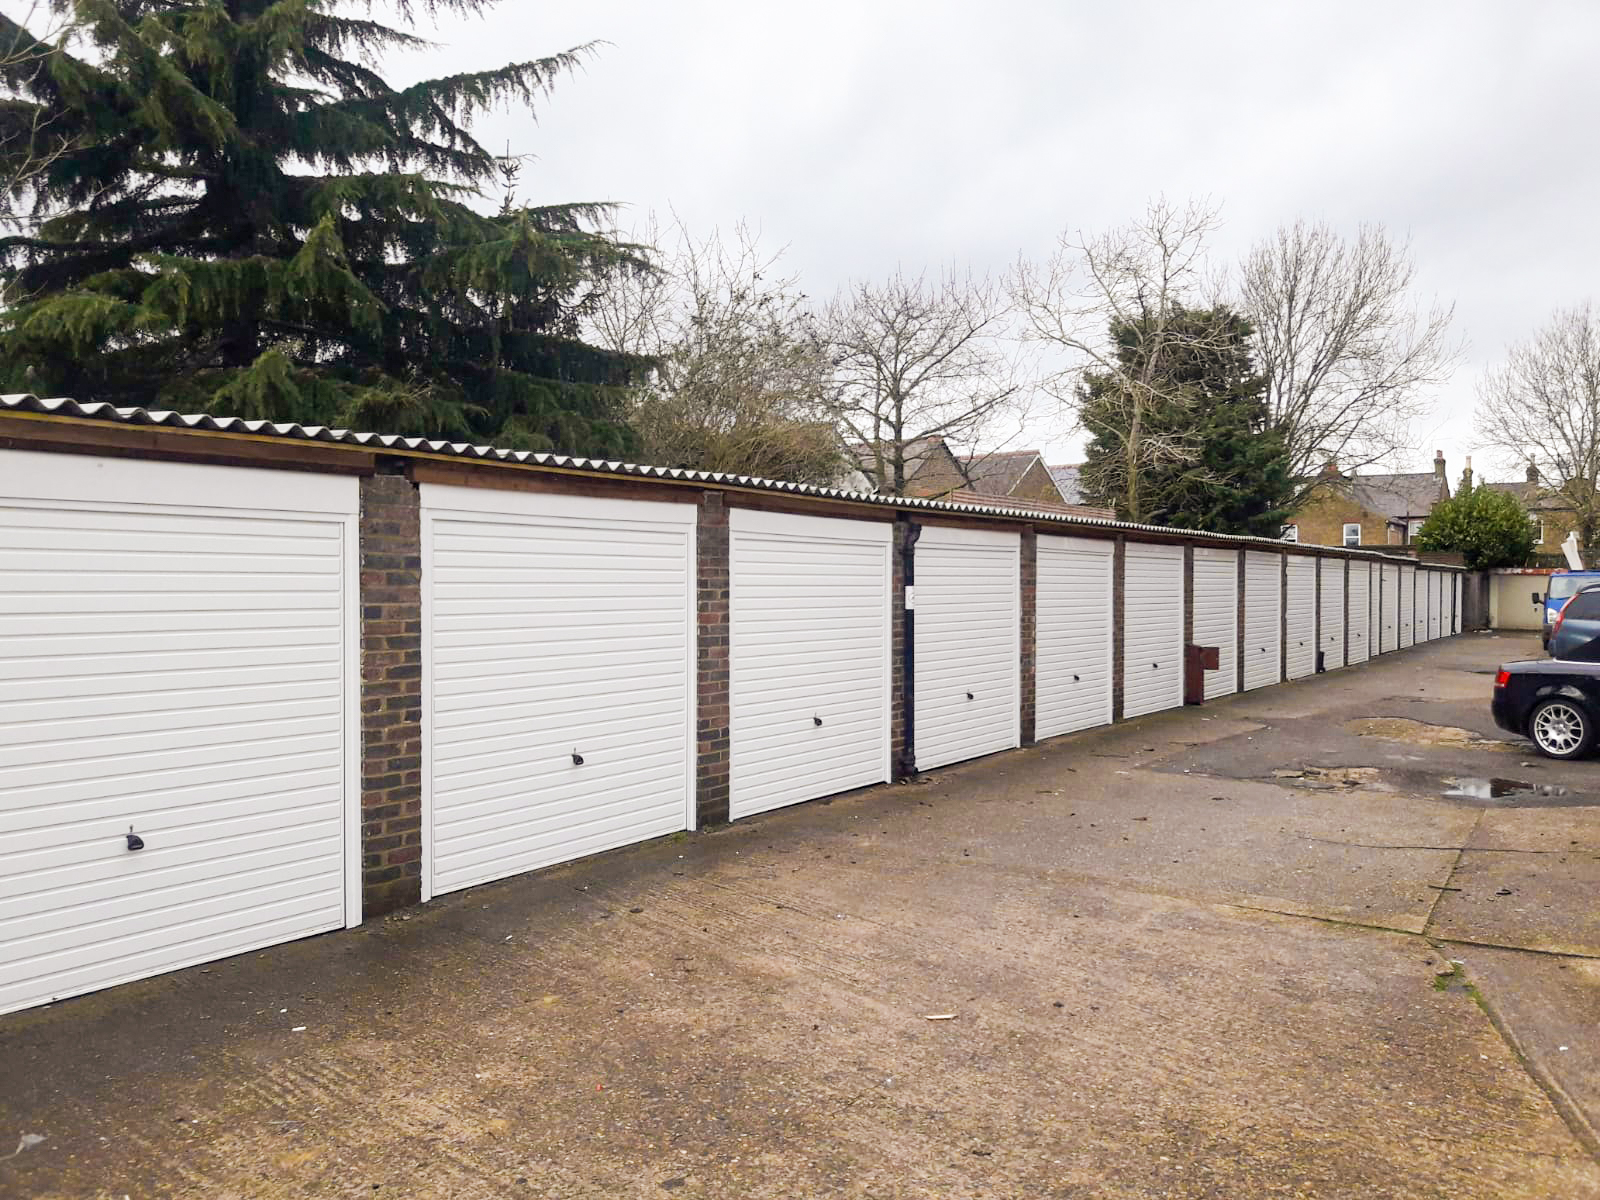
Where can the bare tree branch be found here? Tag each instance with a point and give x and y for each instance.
(916, 358)
(1347, 355)
(1543, 407)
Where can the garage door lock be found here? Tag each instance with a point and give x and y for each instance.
(135, 842)
(816, 720)
(577, 759)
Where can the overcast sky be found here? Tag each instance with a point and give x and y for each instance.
(868, 134)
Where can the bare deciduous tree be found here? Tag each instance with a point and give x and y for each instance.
(1347, 354)
(916, 357)
(740, 378)
(32, 135)
(1543, 407)
(1107, 304)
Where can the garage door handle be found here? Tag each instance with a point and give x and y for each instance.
(816, 720)
(1075, 679)
(970, 696)
(577, 759)
(1155, 666)
(135, 842)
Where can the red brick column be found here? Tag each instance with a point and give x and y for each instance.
(1119, 573)
(1283, 617)
(391, 694)
(902, 757)
(1028, 651)
(1238, 629)
(711, 670)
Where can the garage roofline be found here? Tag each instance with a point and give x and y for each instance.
(66, 412)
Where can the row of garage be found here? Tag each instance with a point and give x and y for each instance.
(180, 681)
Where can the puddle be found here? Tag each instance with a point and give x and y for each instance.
(1499, 789)
(1418, 733)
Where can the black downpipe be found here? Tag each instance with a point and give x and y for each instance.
(910, 531)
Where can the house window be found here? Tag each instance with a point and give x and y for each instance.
(1538, 529)
(1352, 534)
(1414, 529)
(1291, 533)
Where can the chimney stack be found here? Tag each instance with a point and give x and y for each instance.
(1438, 463)
(1466, 476)
(1330, 468)
(1533, 473)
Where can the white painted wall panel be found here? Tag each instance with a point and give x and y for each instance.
(1152, 629)
(1216, 615)
(1360, 609)
(1389, 608)
(1300, 617)
(177, 657)
(810, 643)
(1408, 607)
(1072, 680)
(1263, 616)
(968, 647)
(553, 626)
(1331, 586)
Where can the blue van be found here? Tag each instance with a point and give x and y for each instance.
(1564, 585)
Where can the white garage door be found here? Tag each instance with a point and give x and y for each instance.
(1072, 682)
(1152, 629)
(1300, 614)
(1455, 603)
(1360, 609)
(1216, 615)
(1263, 612)
(1408, 606)
(1389, 609)
(967, 644)
(1435, 603)
(810, 640)
(1331, 585)
(177, 660)
(558, 654)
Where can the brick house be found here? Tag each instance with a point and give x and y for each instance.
(1551, 516)
(1009, 479)
(1015, 475)
(1368, 510)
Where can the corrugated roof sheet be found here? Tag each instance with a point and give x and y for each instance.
(396, 444)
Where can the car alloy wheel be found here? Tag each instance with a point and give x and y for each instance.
(1559, 729)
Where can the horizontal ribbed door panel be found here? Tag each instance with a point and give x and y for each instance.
(1388, 608)
(1407, 625)
(967, 644)
(177, 661)
(1152, 629)
(1073, 630)
(555, 628)
(809, 657)
(1360, 613)
(1263, 614)
(1300, 616)
(1332, 588)
(1216, 615)
(1435, 604)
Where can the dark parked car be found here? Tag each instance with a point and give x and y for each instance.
(1555, 702)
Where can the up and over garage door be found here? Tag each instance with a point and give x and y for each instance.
(1073, 630)
(1300, 617)
(1331, 585)
(1152, 629)
(177, 707)
(809, 657)
(1360, 613)
(1455, 603)
(1389, 608)
(1263, 612)
(558, 659)
(1216, 615)
(1407, 622)
(1435, 603)
(967, 644)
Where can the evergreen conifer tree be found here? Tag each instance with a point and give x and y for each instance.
(243, 217)
(1223, 470)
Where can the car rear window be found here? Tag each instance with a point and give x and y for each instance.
(1562, 586)
(1585, 606)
